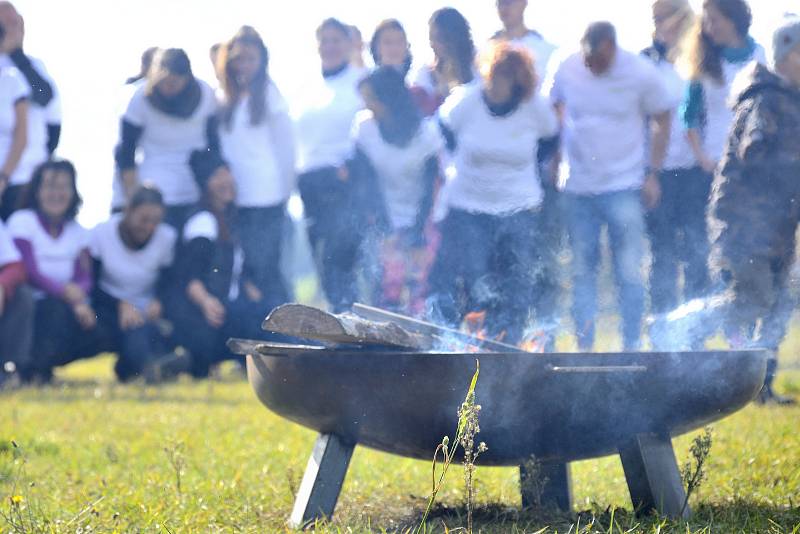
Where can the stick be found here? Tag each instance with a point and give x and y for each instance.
(426, 328)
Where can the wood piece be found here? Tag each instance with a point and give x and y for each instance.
(322, 481)
(654, 480)
(311, 323)
(430, 329)
(245, 347)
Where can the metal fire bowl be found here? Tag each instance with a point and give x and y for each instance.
(558, 407)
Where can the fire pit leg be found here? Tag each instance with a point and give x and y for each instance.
(557, 489)
(654, 480)
(322, 480)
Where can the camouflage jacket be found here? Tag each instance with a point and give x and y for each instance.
(756, 190)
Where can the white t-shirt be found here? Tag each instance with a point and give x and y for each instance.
(323, 119)
(204, 224)
(55, 256)
(250, 151)
(167, 143)
(603, 136)
(131, 275)
(12, 89)
(38, 118)
(495, 158)
(719, 113)
(8, 251)
(540, 49)
(399, 169)
(679, 151)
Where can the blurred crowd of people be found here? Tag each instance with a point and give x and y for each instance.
(434, 190)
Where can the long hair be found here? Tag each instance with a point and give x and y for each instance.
(702, 56)
(29, 198)
(402, 119)
(165, 62)
(457, 38)
(509, 61)
(389, 24)
(683, 17)
(233, 89)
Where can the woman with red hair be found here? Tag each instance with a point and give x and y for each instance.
(488, 255)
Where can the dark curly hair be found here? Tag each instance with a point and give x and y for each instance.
(29, 198)
(457, 38)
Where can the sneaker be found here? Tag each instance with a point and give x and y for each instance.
(167, 367)
(768, 396)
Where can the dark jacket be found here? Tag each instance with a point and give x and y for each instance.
(755, 201)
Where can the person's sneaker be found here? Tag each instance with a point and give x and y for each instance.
(167, 367)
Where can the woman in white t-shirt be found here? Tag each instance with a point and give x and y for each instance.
(389, 46)
(131, 253)
(257, 141)
(454, 60)
(14, 95)
(55, 251)
(488, 260)
(397, 163)
(167, 118)
(323, 119)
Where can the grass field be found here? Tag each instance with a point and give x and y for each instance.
(94, 456)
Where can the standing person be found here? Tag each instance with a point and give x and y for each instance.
(44, 108)
(489, 250)
(453, 63)
(214, 298)
(257, 140)
(512, 15)
(720, 49)
(54, 248)
(401, 153)
(677, 226)
(323, 121)
(755, 206)
(131, 253)
(144, 66)
(16, 310)
(605, 95)
(389, 46)
(168, 117)
(14, 103)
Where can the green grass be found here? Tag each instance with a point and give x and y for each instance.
(94, 456)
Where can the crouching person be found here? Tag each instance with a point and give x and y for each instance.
(131, 254)
(755, 205)
(54, 250)
(16, 309)
(213, 298)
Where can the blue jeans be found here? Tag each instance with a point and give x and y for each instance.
(623, 214)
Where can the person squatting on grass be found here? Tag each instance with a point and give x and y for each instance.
(489, 255)
(755, 203)
(605, 95)
(16, 309)
(132, 253)
(212, 297)
(55, 251)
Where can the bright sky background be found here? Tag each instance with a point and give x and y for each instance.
(91, 46)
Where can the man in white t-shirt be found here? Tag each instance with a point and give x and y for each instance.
(605, 96)
(44, 111)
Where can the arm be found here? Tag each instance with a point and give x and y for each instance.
(212, 133)
(660, 125)
(193, 263)
(82, 276)
(18, 141)
(53, 137)
(429, 177)
(12, 275)
(41, 90)
(125, 153)
(368, 189)
(693, 114)
(35, 276)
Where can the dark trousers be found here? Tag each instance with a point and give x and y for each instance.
(58, 338)
(487, 263)
(679, 238)
(16, 329)
(551, 242)
(335, 233)
(135, 347)
(9, 200)
(261, 234)
(206, 344)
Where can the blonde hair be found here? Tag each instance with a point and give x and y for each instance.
(684, 17)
